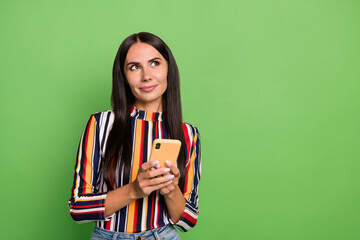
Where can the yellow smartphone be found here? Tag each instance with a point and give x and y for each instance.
(165, 149)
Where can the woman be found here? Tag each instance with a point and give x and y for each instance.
(114, 183)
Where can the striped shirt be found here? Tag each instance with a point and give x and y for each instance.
(88, 194)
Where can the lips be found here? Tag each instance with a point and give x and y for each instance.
(148, 88)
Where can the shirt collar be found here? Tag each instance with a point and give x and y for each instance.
(146, 115)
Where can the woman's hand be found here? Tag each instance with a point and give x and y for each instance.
(175, 202)
(174, 171)
(151, 177)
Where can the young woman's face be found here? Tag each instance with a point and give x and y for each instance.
(146, 73)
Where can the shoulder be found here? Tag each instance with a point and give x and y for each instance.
(102, 118)
(103, 121)
(190, 131)
(190, 127)
(192, 140)
(101, 115)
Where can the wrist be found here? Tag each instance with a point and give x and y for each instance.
(133, 194)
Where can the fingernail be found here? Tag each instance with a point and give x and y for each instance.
(155, 163)
(168, 162)
(158, 166)
(169, 182)
(171, 177)
(166, 169)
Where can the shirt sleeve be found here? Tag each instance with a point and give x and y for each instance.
(189, 217)
(86, 203)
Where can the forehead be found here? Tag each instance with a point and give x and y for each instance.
(142, 52)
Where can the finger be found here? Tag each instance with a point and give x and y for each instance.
(170, 188)
(160, 180)
(159, 186)
(173, 168)
(164, 190)
(157, 172)
(175, 179)
(148, 165)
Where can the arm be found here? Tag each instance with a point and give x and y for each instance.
(86, 203)
(175, 202)
(183, 207)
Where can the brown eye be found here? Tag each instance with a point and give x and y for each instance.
(155, 63)
(133, 67)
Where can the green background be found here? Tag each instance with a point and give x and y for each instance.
(273, 86)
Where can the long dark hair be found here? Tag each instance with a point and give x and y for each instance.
(119, 144)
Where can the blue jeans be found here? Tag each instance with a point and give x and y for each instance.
(167, 232)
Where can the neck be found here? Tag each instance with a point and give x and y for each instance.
(149, 107)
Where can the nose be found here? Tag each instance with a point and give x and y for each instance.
(146, 74)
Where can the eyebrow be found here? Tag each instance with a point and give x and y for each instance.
(155, 58)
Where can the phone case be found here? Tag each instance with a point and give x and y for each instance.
(165, 149)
